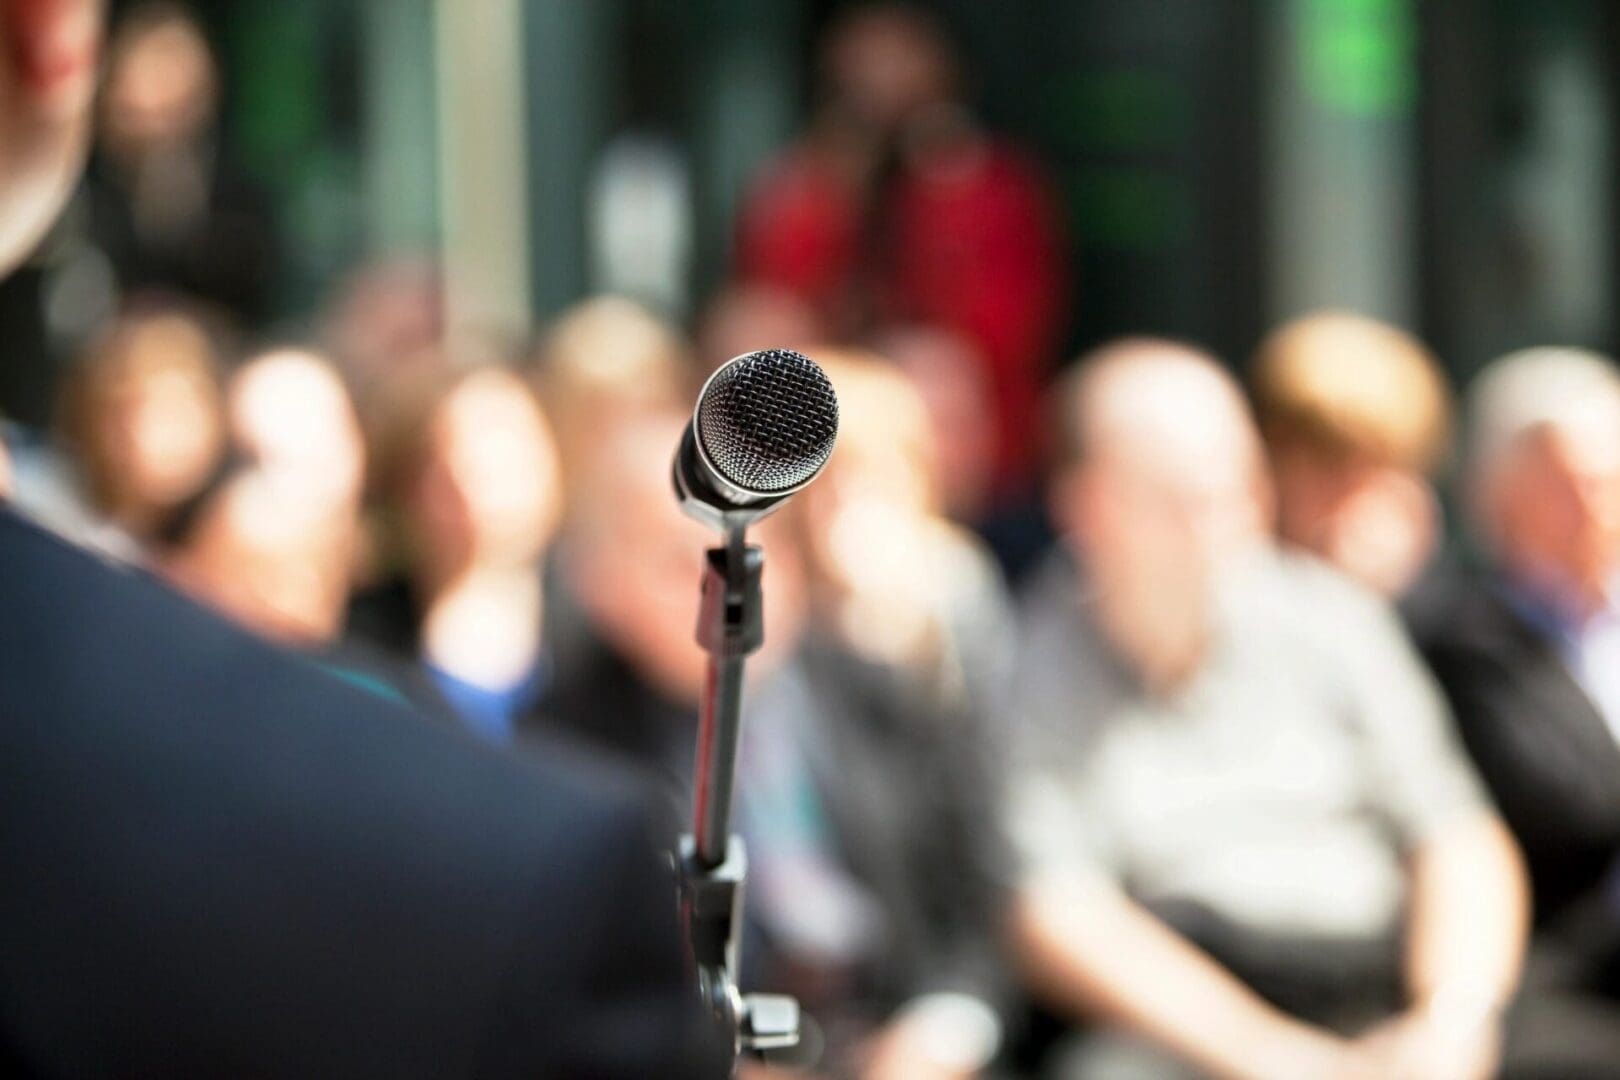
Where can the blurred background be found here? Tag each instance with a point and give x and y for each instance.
(373, 324)
(1217, 166)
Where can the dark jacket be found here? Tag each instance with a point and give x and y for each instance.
(1539, 742)
(908, 792)
(218, 859)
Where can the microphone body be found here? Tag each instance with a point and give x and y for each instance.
(763, 428)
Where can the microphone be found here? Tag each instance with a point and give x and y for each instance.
(763, 428)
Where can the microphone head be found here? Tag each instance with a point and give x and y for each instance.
(766, 421)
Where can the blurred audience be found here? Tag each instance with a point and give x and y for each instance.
(383, 323)
(1356, 416)
(271, 539)
(142, 420)
(945, 370)
(1250, 840)
(629, 673)
(470, 465)
(870, 774)
(601, 364)
(742, 318)
(264, 553)
(289, 412)
(895, 205)
(885, 927)
(1527, 644)
(892, 579)
(168, 206)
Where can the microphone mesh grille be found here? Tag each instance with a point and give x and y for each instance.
(767, 420)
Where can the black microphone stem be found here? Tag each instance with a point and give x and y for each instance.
(730, 626)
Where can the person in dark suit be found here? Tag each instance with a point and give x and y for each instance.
(218, 859)
(1527, 645)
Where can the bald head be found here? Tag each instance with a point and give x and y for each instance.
(1163, 485)
(1159, 405)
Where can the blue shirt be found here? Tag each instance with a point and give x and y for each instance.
(491, 712)
(1589, 645)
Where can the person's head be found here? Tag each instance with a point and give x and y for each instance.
(258, 549)
(384, 321)
(603, 362)
(946, 370)
(142, 417)
(162, 85)
(886, 456)
(290, 413)
(884, 63)
(1356, 416)
(634, 560)
(1544, 469)
(742, 318)
(1160, 486)
(48, 54)
(874, 536)
(469, 459)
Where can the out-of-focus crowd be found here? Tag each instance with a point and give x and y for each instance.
(1252, 772)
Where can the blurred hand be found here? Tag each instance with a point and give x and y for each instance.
(755, 1070)
(900, 1052)
(1292, 1049)
(1416, 1045)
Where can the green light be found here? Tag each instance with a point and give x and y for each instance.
(1358, 57)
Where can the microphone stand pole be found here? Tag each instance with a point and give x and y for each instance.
(713, 862)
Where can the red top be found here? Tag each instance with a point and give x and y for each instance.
(971, 242)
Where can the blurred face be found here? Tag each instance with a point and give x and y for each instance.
(271, 560)
(1167, 498)
(160, 90)
(164, 434)
(1377, 524)
(638, 579)
(746, 317)
(863, 510)
(289, 411)
(47, 76)
(1557, 507)
(490, 492)
(637, 561)
(949, 377)
(884, 66)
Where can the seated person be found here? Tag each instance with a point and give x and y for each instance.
(1527, 646)
(1356, 417)
(466, 461)
(861, 795)
(1249, 838)
(142, 421)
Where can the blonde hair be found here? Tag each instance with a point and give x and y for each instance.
(611, 348)
(1351, 387)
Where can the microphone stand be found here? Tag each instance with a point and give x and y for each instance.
(713, 862)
